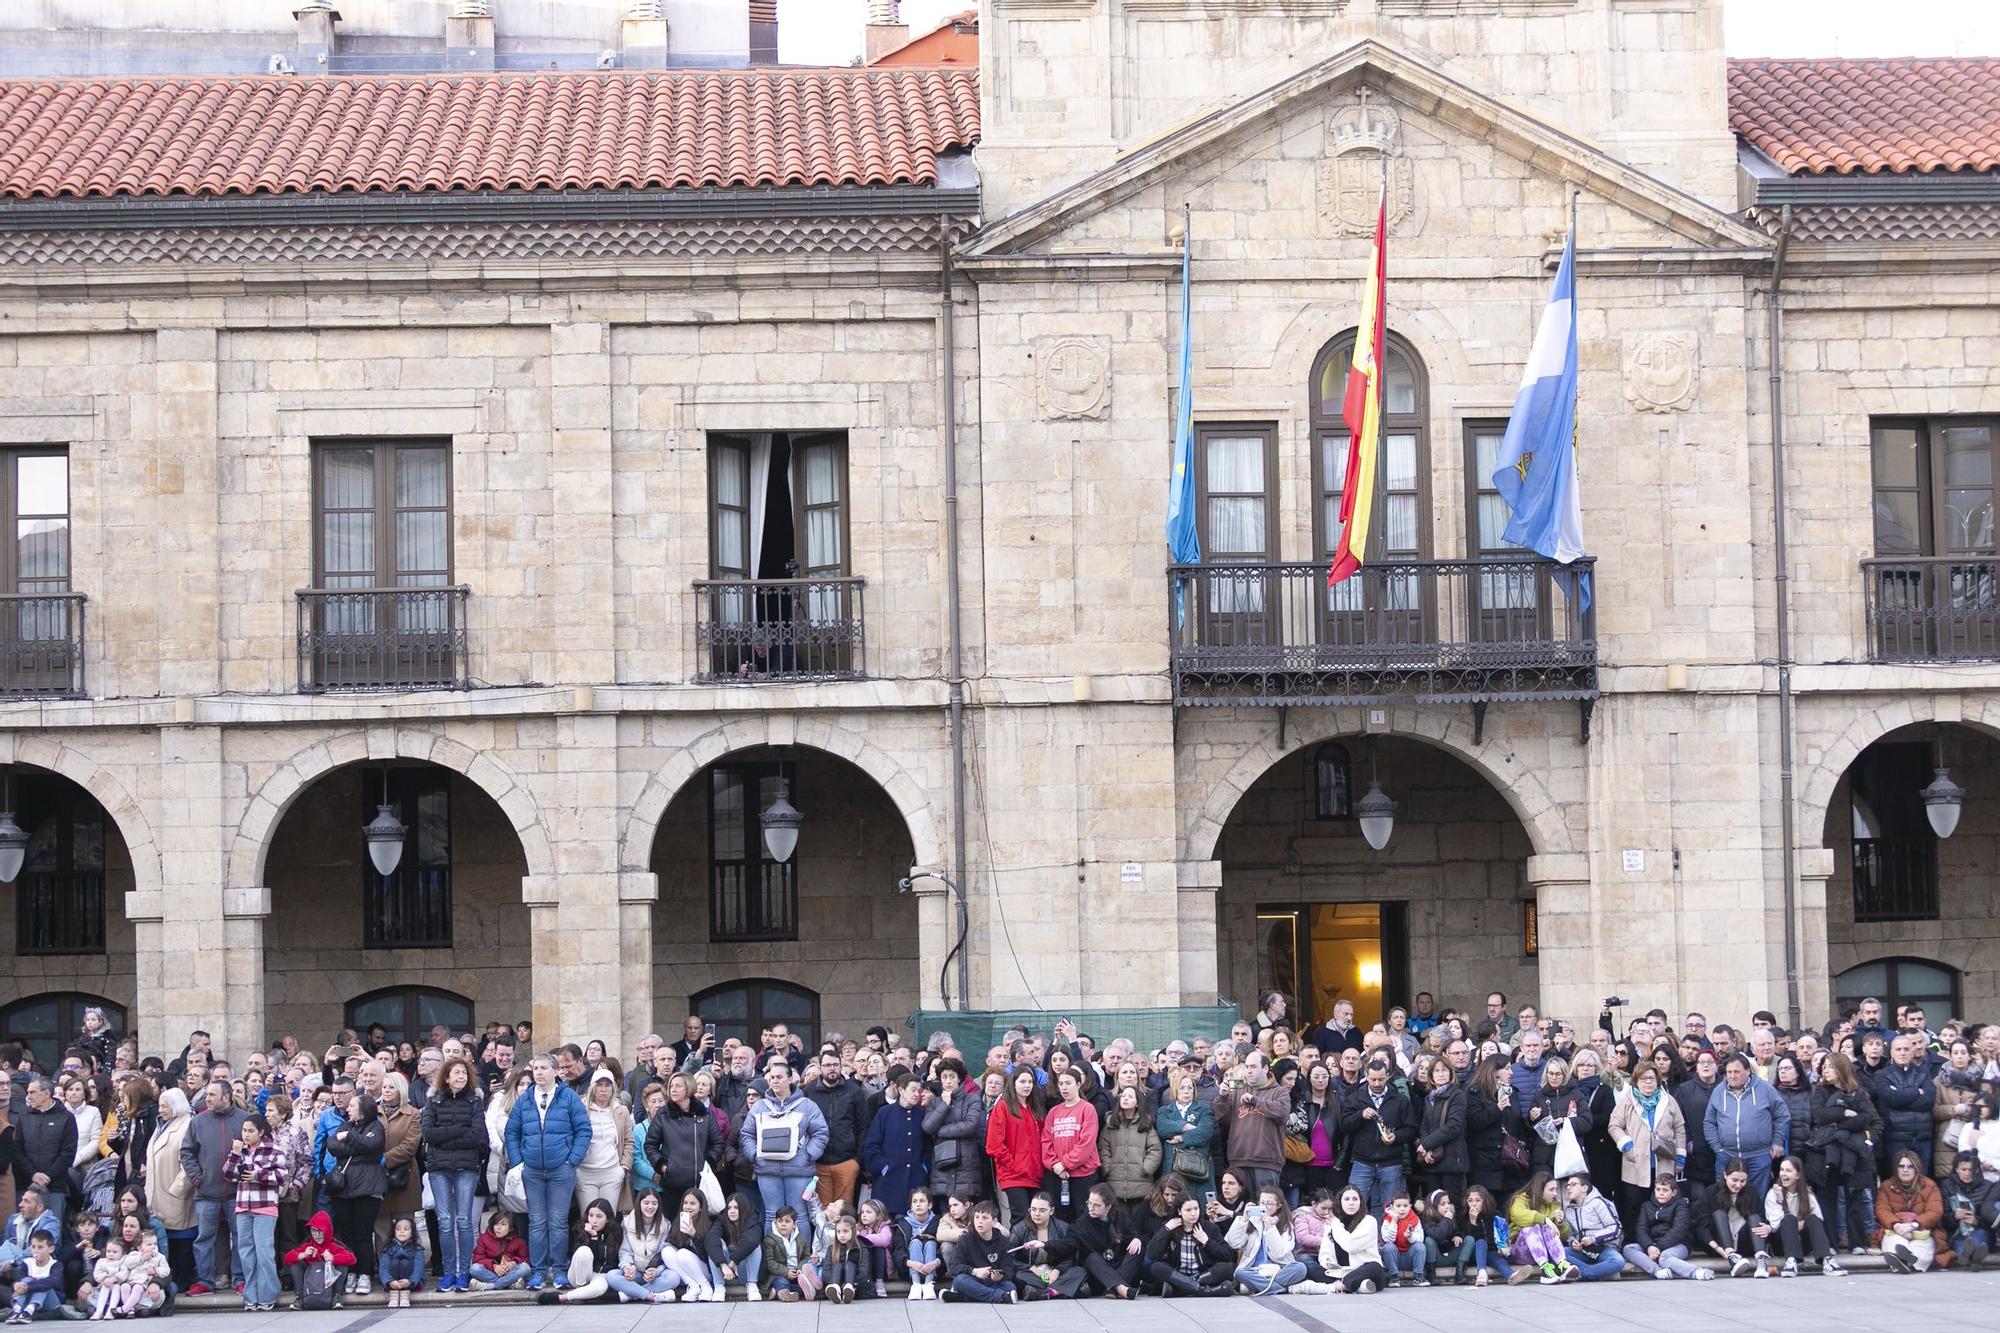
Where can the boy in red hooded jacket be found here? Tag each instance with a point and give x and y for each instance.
(320, 1248)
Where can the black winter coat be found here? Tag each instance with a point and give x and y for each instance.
(454, 1130)
(678, 1142)
(1666, 1224)
(360, 1146)
(1693, 1095)
(1444, 1131)
(848, 1115)
(1366, 1138)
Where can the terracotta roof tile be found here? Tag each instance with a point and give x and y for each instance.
(243, 136)
(1850, 117)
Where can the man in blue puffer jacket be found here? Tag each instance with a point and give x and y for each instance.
(548, 1133)
(1905, 1094)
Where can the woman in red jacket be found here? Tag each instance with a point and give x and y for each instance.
(1014, 1142)
(1069, 1146)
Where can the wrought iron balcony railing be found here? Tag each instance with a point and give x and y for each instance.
(383, 639)
(1465, 631)
(1932, 608)
(780, 629)
(41, 645)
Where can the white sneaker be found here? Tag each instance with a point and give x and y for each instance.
(1703, 1275)
(1791, 1268)
(751, 1293)
(1662, 1274)
(361, 1287)
(916, 1292)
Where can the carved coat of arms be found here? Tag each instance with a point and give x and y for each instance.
(1661, 371)
(1073, 377)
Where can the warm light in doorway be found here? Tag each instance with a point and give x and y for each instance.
(1371, 976)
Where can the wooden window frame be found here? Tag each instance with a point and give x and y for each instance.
(837, 441)
(42, 800)
(751, 773)
(1204, 433)
(1320, 424)
(754, 1015)
(10, 509)
(70, 1005)
(385, 507)
(413, 1030)
(1929, 490)
(739, 442)
(1893, 995)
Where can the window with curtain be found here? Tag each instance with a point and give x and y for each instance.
(1934, 485)
(1402, 497)
(34, 490)
(1487, 516)
(1236, 485)
(382, 518)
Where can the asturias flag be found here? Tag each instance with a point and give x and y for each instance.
(1183, 539)
(1362, 409)
(1536, 469)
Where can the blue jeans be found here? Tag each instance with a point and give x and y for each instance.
(1963, 1242)
(1287, 1274)
(451, 1199)
(1479, 1254)
(208, 1220)
(747, 1272)
(1376, 1183)
(1399, 1262)
(548, 1190)
(922, 1251)
(515, 1276)
(969, 1288)
(1608, 1263)
(257, 1257)
(639, 1289)
(782, 1192)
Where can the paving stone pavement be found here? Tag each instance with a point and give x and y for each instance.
(1862, 1301)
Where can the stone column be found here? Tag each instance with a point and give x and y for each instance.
(1565, 952)
(580, 968)
(1815, 867)
(638, 892)
(1198, 891)
(580, 470)
(539, 893)
(937, 930)
(244, 912)
(186, 966)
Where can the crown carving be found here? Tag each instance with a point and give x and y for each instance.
(1366, 126)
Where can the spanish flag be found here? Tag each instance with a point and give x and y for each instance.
(1362, 409)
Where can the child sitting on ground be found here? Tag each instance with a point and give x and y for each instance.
(878, 1237)
(38, 1281)
(785, 1256)
(402, 1264)
(319, 1267)
(499, 1257)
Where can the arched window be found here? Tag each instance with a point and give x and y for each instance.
(743, 1009)
(1899, 981)
(48, 1023)
(409, 1012)
(1402, 498)
(1333, 783)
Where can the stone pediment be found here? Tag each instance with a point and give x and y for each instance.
(1346, 122)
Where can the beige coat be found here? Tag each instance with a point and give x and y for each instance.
(402, 1133)
(1666, 1138)
(169, 1193)
(1950, 1097)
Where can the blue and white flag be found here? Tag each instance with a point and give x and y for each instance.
(1536, 469)
(1183, 538)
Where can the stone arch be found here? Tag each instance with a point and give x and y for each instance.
(85, 772)
(635, 846)
(1538, 812)
(1815, 794)
(276, 795)
(1322, 322)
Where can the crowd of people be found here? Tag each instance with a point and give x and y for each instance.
(1492, 1146)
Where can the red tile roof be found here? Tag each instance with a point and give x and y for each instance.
(244, 136)
(1848, 117)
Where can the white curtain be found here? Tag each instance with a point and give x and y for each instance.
(760, 486)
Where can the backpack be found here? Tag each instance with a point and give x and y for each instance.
(778, 1135)
(319, 1284)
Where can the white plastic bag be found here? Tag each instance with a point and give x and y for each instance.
(711, 1190)
(514, 1190)
(1569, 1153)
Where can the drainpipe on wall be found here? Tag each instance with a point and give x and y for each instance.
(955, 681)
(1786, 816)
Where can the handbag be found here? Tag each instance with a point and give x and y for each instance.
(1513, 1152)
(945, 1156)
(398, 1177)
(1569, 1153)
(1189, 1164)
(1297, 1150)
(336, 1179)
(711, 1189)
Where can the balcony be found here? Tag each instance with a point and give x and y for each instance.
(382, 639)
(1932, 608)
(779, 629)
(1426, 631)
(41, 645)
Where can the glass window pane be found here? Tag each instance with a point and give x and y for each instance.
(823, 539)
(1331, 523)
(1493, 518)
(1922, 979)
(1399, 457)
(783, 1006)
(732, 1005)
(1968, 512)
(42, 546)
(421, 541)
(434, 827)
(1235, 463)
(434, 1007)
(1486, 456)
(730, 555)
(1333, 383)
(43, 484)
(1399, 387)
(420, 478)
(1399, 525)
(729, 467)
(349, 543)
(1895, 452)
(1897, 526)
(1968, 455)
(1333, 462)
(384, 1009)
(1235, 525)
(822, 474)
(347, 478)
(726, 825)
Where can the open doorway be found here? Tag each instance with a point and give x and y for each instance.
(1319, 953)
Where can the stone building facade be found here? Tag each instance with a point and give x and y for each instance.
(616, 394)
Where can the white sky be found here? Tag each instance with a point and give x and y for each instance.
(828, 32)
